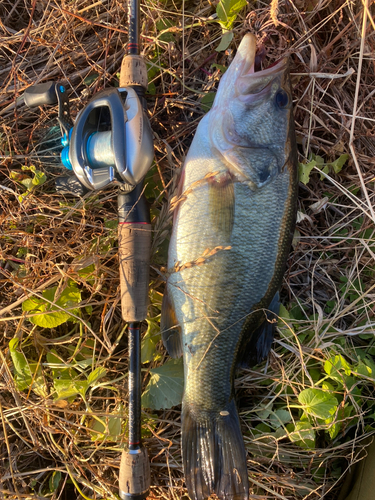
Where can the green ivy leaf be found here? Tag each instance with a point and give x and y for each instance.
(90, 79)
(70, 296)
(152, 73)
(336, 363)
(151, 88)
(96, 375)
(364, 369)
(81, 387)
(88, 274)
(333, 427)
(25, 374)
(108, 428)
(305, 417)
(284, 313)
(325, 169)
(227, 11)
(264, 413)
(284, 317)
(111, 224)
(153, 184)
(370, 364)
(304, 170)
(16, 176)
(343, 415)
(60, 370)
(339, 163)
(326, 386)
(207, 101)
(279, 418)
(27, 182)
(39, 178)
(319, 159)
(161, 255)
(149, 341)
(225, 41)
(220, 67)
(303, 435)
(54, 481)
(165, 387)
(66, 388)
(63, 377)
(39, 386)
(162, 25)
(318, 403)
(262, 429)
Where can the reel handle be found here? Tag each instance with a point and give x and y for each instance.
(43, 93)
(70, 185)
(51, 93)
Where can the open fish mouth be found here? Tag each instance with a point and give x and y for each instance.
(250, 79)
(246, 56)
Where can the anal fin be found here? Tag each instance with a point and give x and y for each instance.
(169, 327)
(261, 340)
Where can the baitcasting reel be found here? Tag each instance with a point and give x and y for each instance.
(110, 142)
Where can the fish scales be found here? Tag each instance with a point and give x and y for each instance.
(236, 218)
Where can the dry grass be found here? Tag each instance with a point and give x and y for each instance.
(332, 46)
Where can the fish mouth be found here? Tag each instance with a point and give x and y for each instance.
(250, 79)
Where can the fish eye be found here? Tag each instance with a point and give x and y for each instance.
(282, 99)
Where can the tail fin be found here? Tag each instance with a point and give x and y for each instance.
(214, 454)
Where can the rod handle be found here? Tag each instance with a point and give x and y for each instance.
(134, 479)
(134, 254)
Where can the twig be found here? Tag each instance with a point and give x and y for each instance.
(20, 301)
(351, 139)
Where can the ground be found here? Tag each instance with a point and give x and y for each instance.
(63, 402)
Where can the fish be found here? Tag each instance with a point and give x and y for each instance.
(234, 218)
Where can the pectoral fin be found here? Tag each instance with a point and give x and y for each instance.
(169, 327)
(221, 204)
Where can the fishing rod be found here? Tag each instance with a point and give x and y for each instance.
(135, 245)
(111, 144)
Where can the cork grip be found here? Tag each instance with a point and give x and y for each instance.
(133, 71)
(134, 480)
(134, 254)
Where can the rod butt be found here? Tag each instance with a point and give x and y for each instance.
(134, 480)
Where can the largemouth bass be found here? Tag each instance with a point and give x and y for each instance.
(231, 236)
